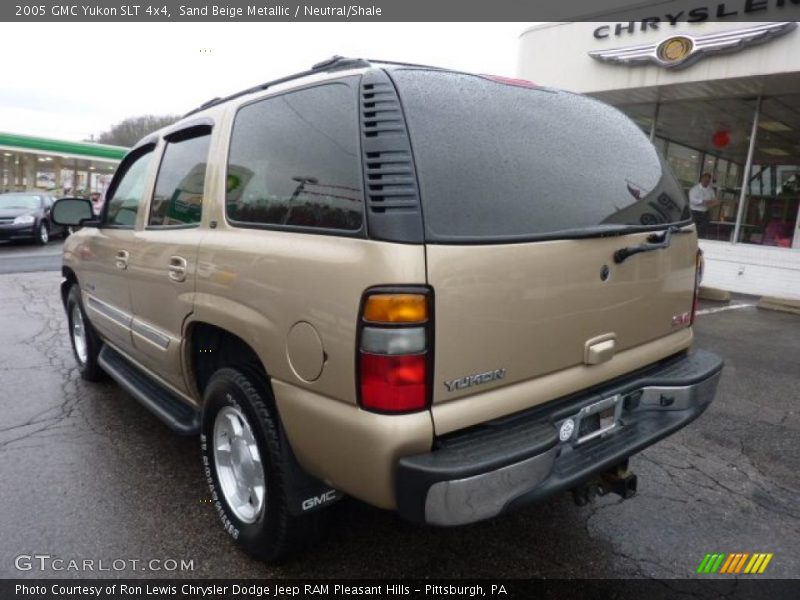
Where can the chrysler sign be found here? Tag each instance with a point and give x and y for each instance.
(678, 51)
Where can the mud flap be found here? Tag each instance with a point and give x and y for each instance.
(304, 493)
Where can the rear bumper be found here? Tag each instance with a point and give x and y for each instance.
(511, 462)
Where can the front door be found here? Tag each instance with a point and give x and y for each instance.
(105, 255)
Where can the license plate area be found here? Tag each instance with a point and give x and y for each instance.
(597, 419)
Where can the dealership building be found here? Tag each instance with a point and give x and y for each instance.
(719, 97)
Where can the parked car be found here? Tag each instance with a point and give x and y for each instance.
(444, 294)
(26, 216)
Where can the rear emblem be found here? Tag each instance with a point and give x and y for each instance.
(477, 379)
(681, 319)
(566, 431)
(604, 272)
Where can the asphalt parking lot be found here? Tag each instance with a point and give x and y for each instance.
(21, 257)
(87, 473)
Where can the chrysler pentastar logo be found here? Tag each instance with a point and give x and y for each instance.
(681, 50)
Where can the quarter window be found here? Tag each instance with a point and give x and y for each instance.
(294, 161)
(129, 194)
(178, 195)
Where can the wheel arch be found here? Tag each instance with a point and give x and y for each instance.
(210, 347)
(70, 279)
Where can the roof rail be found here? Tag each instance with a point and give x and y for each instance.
(332, 64)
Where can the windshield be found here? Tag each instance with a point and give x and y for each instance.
(505, 162)
(20, 201)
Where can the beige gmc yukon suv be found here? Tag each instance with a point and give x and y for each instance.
(444, 294)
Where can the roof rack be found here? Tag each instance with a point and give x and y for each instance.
(334, 63)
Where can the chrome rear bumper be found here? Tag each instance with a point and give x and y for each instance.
(509, 463)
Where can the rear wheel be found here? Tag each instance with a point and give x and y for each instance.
(86, 343)
(244, 463)
(43, 234)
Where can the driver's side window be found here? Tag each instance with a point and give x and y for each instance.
(128, 196)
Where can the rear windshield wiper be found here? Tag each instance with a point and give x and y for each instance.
(657, 241)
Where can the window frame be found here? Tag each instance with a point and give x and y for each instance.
(198, 128)
(134, 155)
(352, 82)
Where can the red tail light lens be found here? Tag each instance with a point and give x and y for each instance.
(395, 349)
(394, 383)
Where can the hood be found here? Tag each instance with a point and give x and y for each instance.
(16, 212)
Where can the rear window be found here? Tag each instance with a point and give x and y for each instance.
(498, 161)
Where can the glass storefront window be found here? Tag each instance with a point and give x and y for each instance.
(685, 162)
(771, 212)
(770, 216)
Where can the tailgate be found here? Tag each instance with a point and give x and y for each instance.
(521, 311)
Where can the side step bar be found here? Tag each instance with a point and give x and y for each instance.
(168, 407)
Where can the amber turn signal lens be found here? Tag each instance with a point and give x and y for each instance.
(396, 308)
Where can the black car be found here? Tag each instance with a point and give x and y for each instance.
(26, 216)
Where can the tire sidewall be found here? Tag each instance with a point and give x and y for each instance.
(39, 238)
(224, 390)
(89, 370)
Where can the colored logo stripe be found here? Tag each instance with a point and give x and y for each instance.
(758, 563)
(734, 563)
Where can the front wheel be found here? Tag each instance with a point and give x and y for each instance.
(43, 234)
(244, 463)
(85, 342)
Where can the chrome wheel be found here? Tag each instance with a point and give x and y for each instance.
(79, 335)
(238, 464)
(44, 234)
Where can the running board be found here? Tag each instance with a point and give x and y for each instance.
(168, 407)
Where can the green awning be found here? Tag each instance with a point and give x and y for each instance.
(46, 145)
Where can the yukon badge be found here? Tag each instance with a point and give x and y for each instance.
(470, 380)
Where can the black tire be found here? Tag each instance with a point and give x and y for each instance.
(88, 366)
(274, 534)
(43, 234)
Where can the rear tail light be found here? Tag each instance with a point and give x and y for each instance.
(395, 350)
(699, 265)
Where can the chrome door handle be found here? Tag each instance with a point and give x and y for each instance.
(121, 259)
(177, 268)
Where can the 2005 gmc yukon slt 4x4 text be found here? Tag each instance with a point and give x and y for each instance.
(389, 281)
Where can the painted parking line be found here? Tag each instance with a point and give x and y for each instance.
(711, 311)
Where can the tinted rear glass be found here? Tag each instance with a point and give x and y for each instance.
(499, 161)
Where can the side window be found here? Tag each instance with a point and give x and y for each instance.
(178, 195)
(294, 161)
(129, 194)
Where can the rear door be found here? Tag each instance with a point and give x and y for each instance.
(163, 263)
(527, 194)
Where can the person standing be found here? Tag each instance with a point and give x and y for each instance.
(701, 199)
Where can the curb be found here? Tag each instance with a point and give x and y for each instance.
(780, 304)
(715, 294)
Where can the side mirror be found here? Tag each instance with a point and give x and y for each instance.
(72, 212)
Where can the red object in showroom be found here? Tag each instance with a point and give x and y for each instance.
(721, 139)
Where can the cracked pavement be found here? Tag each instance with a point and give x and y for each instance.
(88, 473)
